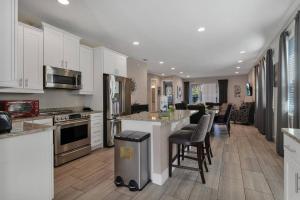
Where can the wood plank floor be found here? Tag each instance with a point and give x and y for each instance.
(245, 166)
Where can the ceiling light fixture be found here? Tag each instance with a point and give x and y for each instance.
(163, 74)
(240, 61)
(64, 2)
(188, 76)
(201, 29)
(161, 62)
(173, 68)
(242, 52)
(136, 43)
(238, 67)
(237, 72)
(180, 72)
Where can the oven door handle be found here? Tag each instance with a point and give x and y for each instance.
(72, 123)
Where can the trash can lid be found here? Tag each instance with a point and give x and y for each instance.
(134, 136)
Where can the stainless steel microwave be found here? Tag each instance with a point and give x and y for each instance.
(60, 78)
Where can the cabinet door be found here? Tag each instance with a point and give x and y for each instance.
(53, 47)
(8, 37)
(33, 58)
(114, 63)
(71, 52)
(291, 178)
(121, 64)
(87, 69)
(20, 57)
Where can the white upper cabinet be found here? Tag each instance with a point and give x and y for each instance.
(87, 70)
(8, 37)
(29, 61)
(61, 49)
(114, 63)
(53, 47)
(33, 58)
(71, 52)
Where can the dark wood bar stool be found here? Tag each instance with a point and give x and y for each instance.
(207, 146)
(195, 138)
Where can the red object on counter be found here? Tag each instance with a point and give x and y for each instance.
(21, 108)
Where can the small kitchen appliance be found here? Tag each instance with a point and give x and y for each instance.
(20, 108)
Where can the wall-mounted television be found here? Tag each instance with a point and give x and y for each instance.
(248, 89)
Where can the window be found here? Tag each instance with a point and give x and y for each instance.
(207, 92)
(291, 75)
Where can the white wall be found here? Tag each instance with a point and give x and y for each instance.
(50, 99)
(240, 80)
(137, 71)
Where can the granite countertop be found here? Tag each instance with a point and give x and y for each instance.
(32, 118)
(293, 133)
(25, 128)
(157, 117)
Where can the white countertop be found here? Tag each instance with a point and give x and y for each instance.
(293, 133)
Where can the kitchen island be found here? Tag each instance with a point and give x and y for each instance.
(160, 128)
(26, 162)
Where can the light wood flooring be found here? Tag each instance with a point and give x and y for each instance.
(245, 167)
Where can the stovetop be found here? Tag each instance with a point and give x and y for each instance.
(56, 112)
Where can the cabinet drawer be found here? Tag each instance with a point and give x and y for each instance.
(292, 147)
(96, 115)
(96, 123)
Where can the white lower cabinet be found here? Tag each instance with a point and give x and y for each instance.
(291, 169)
(96, 130)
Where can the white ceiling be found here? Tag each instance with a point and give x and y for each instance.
(167, 30)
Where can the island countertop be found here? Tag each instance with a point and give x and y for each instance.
(25, 128)
(159, 117)
(293, 133)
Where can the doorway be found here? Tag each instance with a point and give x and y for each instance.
(153, 105)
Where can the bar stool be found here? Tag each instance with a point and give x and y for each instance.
(208, 151)
(195, 138)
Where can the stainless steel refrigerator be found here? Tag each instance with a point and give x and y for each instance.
(116, 102)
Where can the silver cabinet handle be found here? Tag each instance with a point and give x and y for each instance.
(20, 82)
(26, 82)
(289, 148)
(297, 178)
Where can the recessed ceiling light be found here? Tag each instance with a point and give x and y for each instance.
(136, 43)
(188, 76)
(161, 62)
(240, 61)
(238, 67)
(180, 72)
(242, 52)
(162, 74)
(64, 2)
(201, 29)
(237, 72)
(173, 68)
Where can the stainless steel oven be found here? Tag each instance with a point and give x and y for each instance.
(72, 137)
(61, 78)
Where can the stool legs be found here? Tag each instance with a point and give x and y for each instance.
(178, 154)
(170, 158)
(200, 161)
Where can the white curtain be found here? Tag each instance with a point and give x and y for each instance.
(209, 92)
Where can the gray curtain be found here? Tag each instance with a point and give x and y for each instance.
(269, 95)
(296, 118)
(260, 113)
(223, 90)
(186, 91)
(282, 107)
